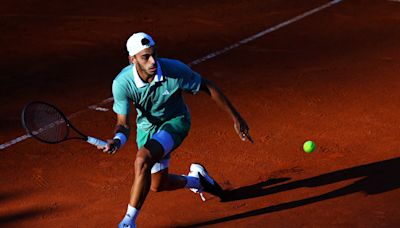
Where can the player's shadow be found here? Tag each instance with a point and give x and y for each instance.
(16, 217)
(8, 218)
(252, 191)
(375, 177)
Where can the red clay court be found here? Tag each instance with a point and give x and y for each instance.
(332, 77)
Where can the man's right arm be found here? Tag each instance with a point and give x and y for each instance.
(122, 132)
(123, 124)
(122, 108)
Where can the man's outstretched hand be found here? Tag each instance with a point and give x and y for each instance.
(242, 129)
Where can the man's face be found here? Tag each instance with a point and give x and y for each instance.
(146, 60)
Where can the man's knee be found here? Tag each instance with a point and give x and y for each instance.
(142, 161)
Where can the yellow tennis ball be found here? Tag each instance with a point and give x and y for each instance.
(309, 146)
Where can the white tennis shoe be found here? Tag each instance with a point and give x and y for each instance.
(127, 222)
(207, 184)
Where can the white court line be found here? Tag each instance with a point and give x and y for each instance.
(96, 108)
(205, 58)
(262, 33)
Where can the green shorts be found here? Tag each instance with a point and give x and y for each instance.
(177, 127)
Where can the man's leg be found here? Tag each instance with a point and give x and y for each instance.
(163, 181)
(198, 180)
(146, 157)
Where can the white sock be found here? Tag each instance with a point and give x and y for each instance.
(132, 212)
(192, 182)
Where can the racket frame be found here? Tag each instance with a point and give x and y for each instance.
(67, 122)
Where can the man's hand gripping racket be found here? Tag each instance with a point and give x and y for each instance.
(48, 124)
(242, 129)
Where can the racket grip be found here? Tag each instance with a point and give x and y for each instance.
(96, 142)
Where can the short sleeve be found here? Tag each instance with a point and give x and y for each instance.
(190, 80)
(121, 100)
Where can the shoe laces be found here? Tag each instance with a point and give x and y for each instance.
(202, 196)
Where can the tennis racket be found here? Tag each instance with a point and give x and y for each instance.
(48, 124)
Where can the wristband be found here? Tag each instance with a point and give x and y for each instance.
(121, 137)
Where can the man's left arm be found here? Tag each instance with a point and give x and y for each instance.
(216, 94)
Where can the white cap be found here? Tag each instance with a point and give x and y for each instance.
(137, 42)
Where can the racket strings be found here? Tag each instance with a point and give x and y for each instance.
(45, 122)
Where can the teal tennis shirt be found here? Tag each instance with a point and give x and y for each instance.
(160, 100)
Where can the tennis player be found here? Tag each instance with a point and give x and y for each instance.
(155, 86)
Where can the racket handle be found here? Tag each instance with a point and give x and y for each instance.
(96, 142)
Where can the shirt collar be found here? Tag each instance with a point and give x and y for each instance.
(139, 82)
